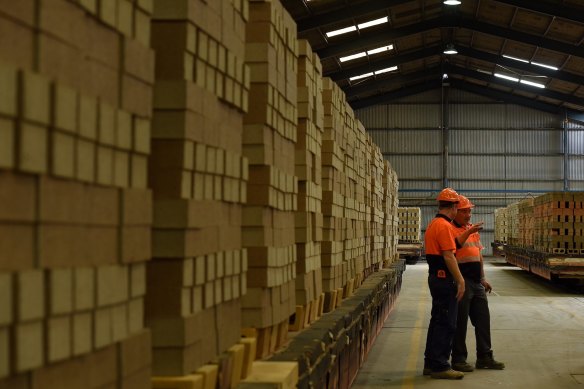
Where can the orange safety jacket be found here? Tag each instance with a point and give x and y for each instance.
(468, 255)
(439, 237)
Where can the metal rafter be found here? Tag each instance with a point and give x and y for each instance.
(557, 10)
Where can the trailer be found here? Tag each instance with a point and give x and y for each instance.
(551, 266)
(411, 251)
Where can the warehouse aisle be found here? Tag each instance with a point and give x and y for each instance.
(537, 330)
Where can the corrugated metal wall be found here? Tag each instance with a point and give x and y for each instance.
(497, 153)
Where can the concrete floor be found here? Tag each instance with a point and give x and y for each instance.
(537, 329)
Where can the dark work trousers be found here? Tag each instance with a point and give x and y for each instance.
(474, 304)
(442, 323)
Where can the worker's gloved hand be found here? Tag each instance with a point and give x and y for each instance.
(476, 227)
(488, 287)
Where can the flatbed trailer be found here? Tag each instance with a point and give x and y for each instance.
(498, 248)
(551, 266)
(411, 251)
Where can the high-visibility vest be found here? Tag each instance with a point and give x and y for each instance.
(471, 249)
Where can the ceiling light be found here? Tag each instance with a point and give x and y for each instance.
(445, 76)
(391, 69)
(341, 31)
(450, 49)
(544, 65)
(380, 50)
(373, 23)
(506, 77)
(354, 56)
(532, 83)
(361, 76)
(516, 59)
(484, 71)
(452, 2)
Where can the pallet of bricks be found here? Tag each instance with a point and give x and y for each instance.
(75, 217)
(526, 223)
(502, 225)
(356, 159)
(378, 213)
(557, 214)
(269, 142)
(199, 176)
(390, 208)
(308, 217)
(334, 268)
(513, 219)
(409, 226)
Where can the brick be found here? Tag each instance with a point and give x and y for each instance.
(60, 286)
(89, 5)
(138, 380)
(84, 296)
(101, 245)
(64, 375)
(20, 192)
(138, 60)
(60, 201)
(141, 135)
(135, 353)
(82, 334)
(29, 341)
(88, 117)
(124, 130)
(36, 98)
(137, 280)
(107, 12)
(121, 169)
(60, 245)
(136, 96)
(135, 244)
(142, 27)
(17, 42)
(61, 19)
(33, 150)
(63, 154)
(138, 171)
(102, 328)
(136, 207)
(105, 165)
(22, 11)
(4, 355)
(125, 17)
(107, 124)
(58, 338)
(30, 289)
(112, 285)
(17, 246)
(9, 91)
(191, 381)
(86, 161)
(65, 103)
(6, 299)
(119, 322)
(136, 315)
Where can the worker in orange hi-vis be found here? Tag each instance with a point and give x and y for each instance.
(474, 304)
(446, 287)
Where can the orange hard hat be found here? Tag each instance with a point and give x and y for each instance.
(464, 202)
(449, 195)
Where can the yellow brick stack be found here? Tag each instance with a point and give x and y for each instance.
(409, 226)
(334, 269)
(199, 178)
(377, 211)
(309, 172)
(502, 225)
(270, 134)
(513, 218)
(75, 215)
(526, 223)
(390, 208)
(555, 221)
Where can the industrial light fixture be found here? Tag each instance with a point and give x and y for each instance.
(531, 62)
(360, 26)
(452, 2)
(450, 49)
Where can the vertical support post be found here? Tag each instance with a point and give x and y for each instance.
(566, 144)
(445, 131)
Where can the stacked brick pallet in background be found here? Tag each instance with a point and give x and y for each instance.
(390, 208)
(556, 222)
(526, 223)
(513, 219)
(199, 176)
(75, 215)
(502, 225)
(270, 133)
(334, 269)
(308, 170)
(409, 226)
(379, 215)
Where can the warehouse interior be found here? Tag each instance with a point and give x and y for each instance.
(213, 194)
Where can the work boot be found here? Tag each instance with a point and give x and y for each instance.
(447, 375)
(462, 366)
(489, 362)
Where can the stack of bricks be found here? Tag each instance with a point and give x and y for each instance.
(556, 223)
(269, 142)
(526, 223)
(308, 170)
(199, 179)
(390, 208)
(501, 225)
(356, 159)
(409, 226)
(513, 220)
(75, 214)
(379, 215)
(334, 268)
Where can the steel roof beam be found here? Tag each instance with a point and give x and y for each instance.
(388, 97)
(397, 79)
(558, 10)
